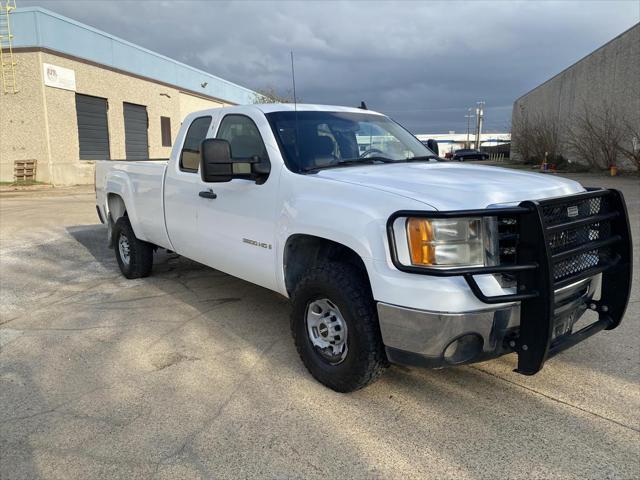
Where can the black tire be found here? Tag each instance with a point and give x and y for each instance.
(347, 288)
(140, 253)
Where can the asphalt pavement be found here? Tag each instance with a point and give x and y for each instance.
(191, 373)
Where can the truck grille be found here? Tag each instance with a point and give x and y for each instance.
(507, 248)
(579, 263)
(574, 226)
(573, 237)
(561, 213)
(571, 227)
(507, 239)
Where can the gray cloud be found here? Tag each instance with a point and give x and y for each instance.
(423, 63)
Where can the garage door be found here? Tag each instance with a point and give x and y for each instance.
(93, 131)
(136, 141)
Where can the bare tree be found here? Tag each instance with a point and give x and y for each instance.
(523, 138)
(270, 95)
(595, 135)
(521, 142)
(535, 136)
(546, 136)
(629, 147)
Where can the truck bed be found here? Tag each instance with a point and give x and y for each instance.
(141, 180)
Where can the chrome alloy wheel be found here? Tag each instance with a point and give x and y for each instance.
(124, 249)
(327, 330)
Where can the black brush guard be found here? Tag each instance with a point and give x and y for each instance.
(552, 244)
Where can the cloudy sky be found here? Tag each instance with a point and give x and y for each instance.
(424, 63)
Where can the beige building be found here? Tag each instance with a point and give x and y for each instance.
(83, 95)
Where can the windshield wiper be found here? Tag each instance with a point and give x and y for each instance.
(371, 161)
(420, 159)
(352, 161)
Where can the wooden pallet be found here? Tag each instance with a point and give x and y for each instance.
(24, 170)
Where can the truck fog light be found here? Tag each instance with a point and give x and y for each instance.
(463, 349)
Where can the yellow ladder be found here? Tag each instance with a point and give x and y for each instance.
(7, 63)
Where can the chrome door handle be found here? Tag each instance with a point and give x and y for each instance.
(208, 194)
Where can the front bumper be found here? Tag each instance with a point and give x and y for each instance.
(437, 339)
(440, 339)
(550, 247)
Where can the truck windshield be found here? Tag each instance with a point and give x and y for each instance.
(311, 141)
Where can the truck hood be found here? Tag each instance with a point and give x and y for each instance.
(451, 186)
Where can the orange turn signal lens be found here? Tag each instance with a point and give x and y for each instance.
(420, 233)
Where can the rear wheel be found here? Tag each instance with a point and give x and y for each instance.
(134, 256)
(335, 327)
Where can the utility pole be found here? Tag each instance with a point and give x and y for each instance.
(479, 118)
(468, 116)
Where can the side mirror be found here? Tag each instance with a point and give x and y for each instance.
(217, 165)
(433, 146)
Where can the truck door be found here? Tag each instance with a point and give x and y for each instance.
(237, 227)
(181, 187)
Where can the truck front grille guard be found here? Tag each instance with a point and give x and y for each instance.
(546, 245)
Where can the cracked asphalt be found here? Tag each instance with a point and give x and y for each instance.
(191, 373)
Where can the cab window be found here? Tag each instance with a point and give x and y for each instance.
(244, 138)
(190, 155)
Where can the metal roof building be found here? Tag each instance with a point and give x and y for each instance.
(72, 94)
(450, 142)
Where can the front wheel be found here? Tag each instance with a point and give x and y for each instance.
(134, 256)
(335, 327)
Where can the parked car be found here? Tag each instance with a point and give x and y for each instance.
(469, 154)
(387, 255)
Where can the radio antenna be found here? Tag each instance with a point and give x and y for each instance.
(295, 109)
(293, 80)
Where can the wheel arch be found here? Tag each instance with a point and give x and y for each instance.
(304, 251)
(116, 206)
(119, 201)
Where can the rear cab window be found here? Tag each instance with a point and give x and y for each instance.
(190, 154)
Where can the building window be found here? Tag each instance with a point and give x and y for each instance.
(165, 130)
(93, 128)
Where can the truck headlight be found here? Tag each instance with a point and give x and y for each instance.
(445, 242)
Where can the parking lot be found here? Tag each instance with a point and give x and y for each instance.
(191, 373)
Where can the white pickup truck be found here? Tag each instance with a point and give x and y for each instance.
(387, 253)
